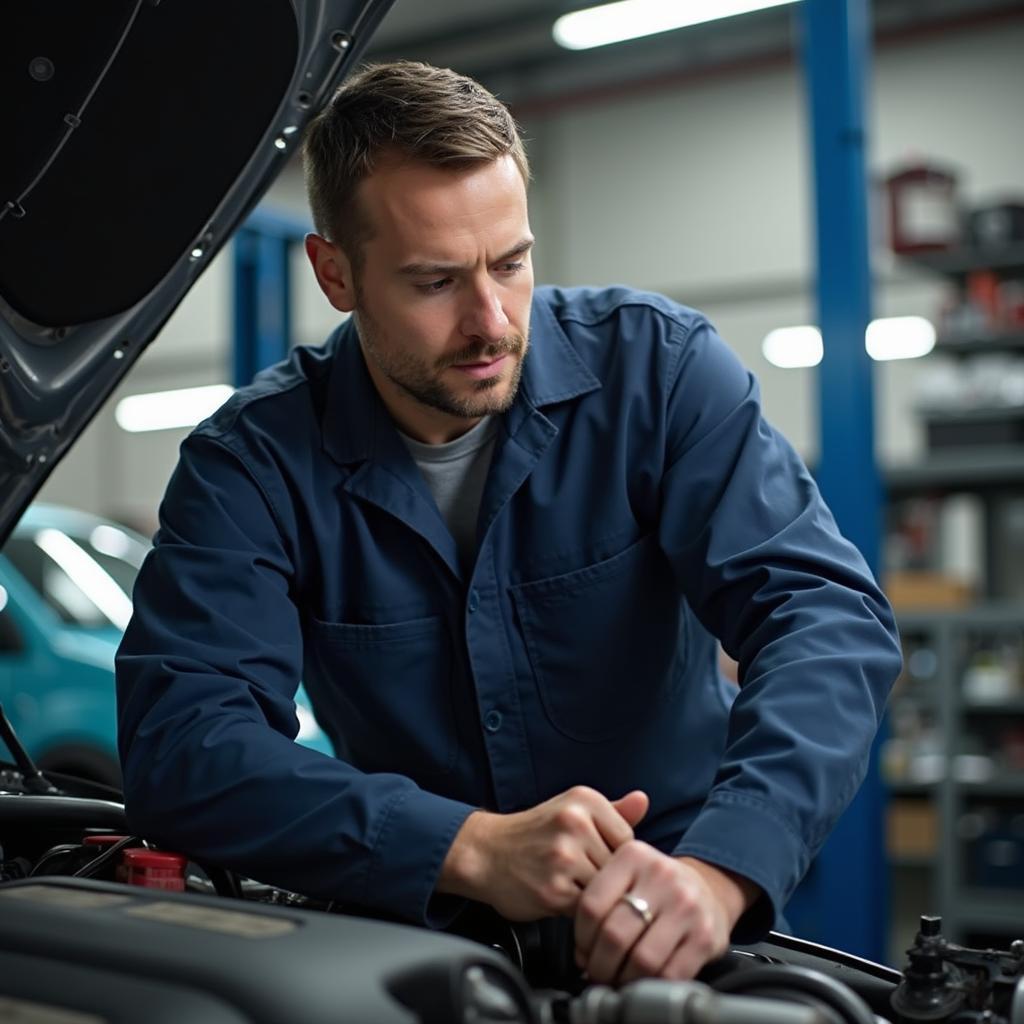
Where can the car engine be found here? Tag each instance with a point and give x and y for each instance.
(97, 925)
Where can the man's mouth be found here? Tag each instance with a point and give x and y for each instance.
(481, 369)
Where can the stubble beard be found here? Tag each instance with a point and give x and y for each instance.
(422, 382)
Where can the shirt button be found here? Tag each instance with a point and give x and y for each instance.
(492, 721)
(474, 601)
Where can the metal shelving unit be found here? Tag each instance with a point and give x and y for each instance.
(976, 469)
(980, 343)
(966, 907)
(997, 787)
(996, 909)
(965, 805)
(1006, 260)
(1014, 705)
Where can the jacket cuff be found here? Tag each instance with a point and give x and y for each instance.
(742, 834)
(417, 831)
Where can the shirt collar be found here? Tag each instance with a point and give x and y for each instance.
(357, 425)
(553, 371)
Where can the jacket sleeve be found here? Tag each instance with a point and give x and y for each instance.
(206, 675)
(765, 569)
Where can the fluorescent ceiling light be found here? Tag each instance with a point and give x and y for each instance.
(900, 337)
(894, 337)
(163, 410)
(793, 347)
(630, 19)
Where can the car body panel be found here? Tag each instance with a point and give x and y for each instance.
(57, 686)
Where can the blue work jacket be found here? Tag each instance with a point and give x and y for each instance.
(637, 507)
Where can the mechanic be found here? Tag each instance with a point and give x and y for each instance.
(497, 532)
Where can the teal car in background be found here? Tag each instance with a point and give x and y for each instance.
(66, 580)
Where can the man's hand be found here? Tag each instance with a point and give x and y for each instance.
(535, 863)
(692, 907)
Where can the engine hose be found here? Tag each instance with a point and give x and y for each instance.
(1017, 1003)
(657, 1001)
(97, 864)
(58, 854)
(784, 981)
(225, 882)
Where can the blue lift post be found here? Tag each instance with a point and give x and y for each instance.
(262, 296)
(849, 879)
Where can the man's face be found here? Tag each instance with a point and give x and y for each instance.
(442, 301)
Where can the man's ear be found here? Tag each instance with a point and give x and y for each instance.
(333, 272)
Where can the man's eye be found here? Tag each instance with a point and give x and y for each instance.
(512, 268)
(435, 286)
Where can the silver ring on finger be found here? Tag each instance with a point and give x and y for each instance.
(639, 906)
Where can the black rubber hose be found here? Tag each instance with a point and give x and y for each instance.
(225, 882)
(783, 981)
(57, 854)
(98, 863)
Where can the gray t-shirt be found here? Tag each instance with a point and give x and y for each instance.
(456, 473)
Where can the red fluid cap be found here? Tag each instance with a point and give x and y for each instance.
(101, 841)
(153, 869)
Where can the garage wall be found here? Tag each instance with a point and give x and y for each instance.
(704, 193)
(700, 192)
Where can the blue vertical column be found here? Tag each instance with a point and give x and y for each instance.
(262, 302)
(263, 293)
(849, 880)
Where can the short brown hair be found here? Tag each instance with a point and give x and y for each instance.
(423, 113)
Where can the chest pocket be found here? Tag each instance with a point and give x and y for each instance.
(387, 693)
(606, 642)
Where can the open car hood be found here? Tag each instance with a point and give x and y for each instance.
(137, 135)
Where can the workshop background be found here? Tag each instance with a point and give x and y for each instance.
(683, 163)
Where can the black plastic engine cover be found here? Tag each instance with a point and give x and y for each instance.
(126, 954)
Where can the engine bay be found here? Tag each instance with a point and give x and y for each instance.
(98, 925)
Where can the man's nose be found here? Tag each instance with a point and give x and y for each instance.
(484, 316)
